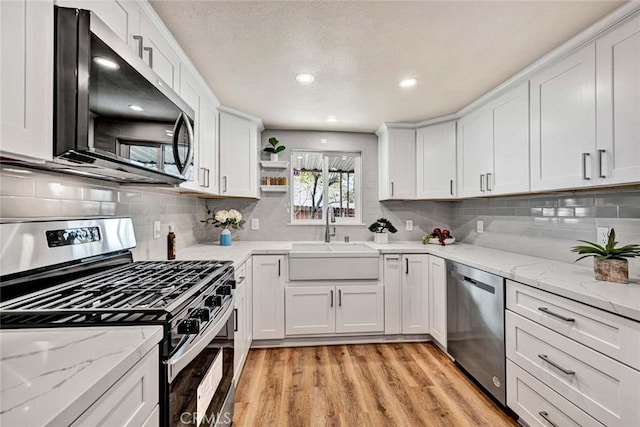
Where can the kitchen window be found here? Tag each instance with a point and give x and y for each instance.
(325, 179)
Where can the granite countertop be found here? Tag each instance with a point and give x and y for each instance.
(569, 280)
(51, 376)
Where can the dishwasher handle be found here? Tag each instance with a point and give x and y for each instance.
(478, 284)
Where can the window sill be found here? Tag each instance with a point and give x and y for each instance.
(331, 224)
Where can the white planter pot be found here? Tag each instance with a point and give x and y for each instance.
(273, 157)
(381, 237)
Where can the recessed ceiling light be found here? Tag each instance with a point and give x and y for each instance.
(136, 107)
(408, 82)
(323, 141)
(168, 132)
(331, 119)
(300, 157)
(305, 78)
(106, 63)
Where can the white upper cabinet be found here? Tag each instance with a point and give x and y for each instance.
(158, 53)
(475, 152)
(436, 161)
(618, 105)
(203, 175)
(238, 155)
(396, 163)
(493, 146)
(26, 79)
(510, 142)
(121, 16)
(563, 123)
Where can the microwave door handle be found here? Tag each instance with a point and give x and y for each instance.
(182, 167)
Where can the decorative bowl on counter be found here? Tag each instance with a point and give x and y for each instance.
(435, 241)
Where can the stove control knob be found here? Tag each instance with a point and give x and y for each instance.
(201, 314)
(189, 327)
(223, 290)
(231, 283)
(213, 301)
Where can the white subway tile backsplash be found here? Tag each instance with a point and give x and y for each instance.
(27, 207)
(79, 208)
(58, 189)
(17, 185)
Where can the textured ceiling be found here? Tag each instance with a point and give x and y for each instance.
(250, 53)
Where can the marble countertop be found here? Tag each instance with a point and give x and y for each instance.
(569, 280)
(51, 376)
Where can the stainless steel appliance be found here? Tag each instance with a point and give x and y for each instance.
(89, 278)
(475, 326)
(114, 118)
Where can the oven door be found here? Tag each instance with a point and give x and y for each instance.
(201, 389)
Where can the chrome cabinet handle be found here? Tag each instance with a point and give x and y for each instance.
(406, 263)
(555, 365)
(545, 415)
(339, 297)
(489, 182)
(482, 182)
(392, 189)
(600, 153)
(451, 187)
(208, 178)
(559, 316)
(392, 258)
(150, 50)
(331, 297)
(140, 41)
(224, 179)
(204, 174)
(584, 166)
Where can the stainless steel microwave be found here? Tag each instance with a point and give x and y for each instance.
(114, 118)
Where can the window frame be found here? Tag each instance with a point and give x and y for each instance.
(357, 171)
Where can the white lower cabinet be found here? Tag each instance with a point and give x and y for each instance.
(334, 309)
(268, 296)
(601, 386)
(438, 299)
(240, 350)
(538, 405)
(131, 401)
(406, 294)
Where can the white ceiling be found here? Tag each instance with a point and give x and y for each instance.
(250, 52)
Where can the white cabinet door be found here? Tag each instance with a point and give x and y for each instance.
(475, 152)
(510, 173)
(438, 299)
(121, 16)
(208, 147)
(618, 104)
(563, 123)
(26, 78)
(436, 161)
(268, 296)
(158, 54)
(396, 163)
(392, 273)
(238, 156)
(239, 339)
(360, 308)
(310, 310)
(415, 294)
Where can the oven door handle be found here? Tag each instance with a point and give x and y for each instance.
(185, 354)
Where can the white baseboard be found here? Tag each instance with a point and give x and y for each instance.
(316, 341)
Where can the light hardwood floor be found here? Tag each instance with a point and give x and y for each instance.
(404, 384)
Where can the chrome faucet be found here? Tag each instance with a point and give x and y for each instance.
(327, 234)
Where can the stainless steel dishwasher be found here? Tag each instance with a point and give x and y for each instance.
(475, 325)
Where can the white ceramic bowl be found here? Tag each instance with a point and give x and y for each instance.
(435, 241)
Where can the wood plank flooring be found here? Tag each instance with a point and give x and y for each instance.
(403, 384)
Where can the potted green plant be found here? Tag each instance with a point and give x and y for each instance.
(610, 263)
(274, 149)
(380, 228)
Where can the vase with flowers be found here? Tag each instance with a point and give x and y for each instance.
(225, 219)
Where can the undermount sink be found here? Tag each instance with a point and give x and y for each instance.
(333, 261)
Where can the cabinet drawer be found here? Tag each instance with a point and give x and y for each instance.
(612, 335)
(131, 400)
(240, 274)
(533, 401)
(604, 388)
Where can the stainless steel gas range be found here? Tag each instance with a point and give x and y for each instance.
(81, 273)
